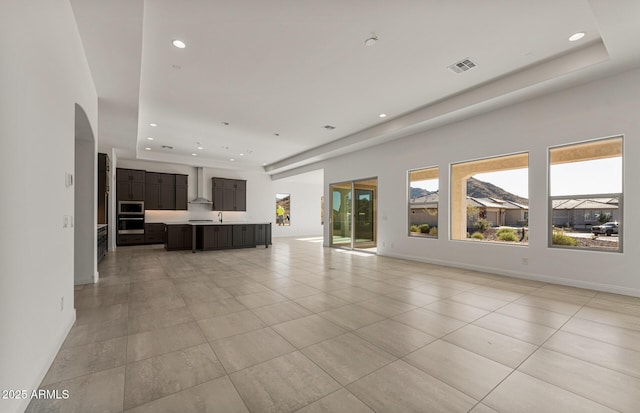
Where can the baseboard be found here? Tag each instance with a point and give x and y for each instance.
(608, 288)
(43, 372)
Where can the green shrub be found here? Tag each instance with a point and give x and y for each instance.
(414, 228)
(561, 239)
(482, 225)
(508, 236)
(433, 231)
(477, 235)
(505, 231)
(424, 228)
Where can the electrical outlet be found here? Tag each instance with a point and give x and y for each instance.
(61, 303)
(65, 221)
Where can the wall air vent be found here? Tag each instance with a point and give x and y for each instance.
(462, 66)
(167, 147)
(329, 127)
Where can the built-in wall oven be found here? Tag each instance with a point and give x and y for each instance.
(130, 224)
(131, 217)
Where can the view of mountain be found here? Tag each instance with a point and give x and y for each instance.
(479, 189)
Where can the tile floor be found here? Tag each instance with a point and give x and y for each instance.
(299, 327)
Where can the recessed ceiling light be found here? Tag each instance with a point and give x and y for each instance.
(231, 159)
(194, 154)
(383, 115)
(149, 138)
(264, 163)
(242, 154)
(576, 36)
(147, 149)
(153, 124)
(179, 44)
(200, 147)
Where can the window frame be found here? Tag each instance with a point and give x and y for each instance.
(409, 210)
(619, 195)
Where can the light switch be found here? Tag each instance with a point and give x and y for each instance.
(68, 180)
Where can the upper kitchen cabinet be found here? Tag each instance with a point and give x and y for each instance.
(160, 191)
(165, 191)
(229, 194)
(182, 192)
(130, 184)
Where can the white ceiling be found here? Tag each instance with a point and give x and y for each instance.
(285, 67)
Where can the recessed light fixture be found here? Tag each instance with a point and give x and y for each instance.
(200, 147)
(153, 124)
(382, 115)
(147, 149)
(149, 138)
(576, 36)
(179, 44)
(231, 159)
(242, 154)
(194, 154)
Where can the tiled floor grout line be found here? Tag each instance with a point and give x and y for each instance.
(534, 352)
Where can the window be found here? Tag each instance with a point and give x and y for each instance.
(283, 209)
(423, 203)
(585, 195)
(489, 199)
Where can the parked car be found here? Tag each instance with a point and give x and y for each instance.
(607, 228)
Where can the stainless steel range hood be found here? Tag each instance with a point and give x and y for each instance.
(200, 183)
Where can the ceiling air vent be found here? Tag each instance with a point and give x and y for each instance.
(329, 127)
(167, 147)
(462, 66)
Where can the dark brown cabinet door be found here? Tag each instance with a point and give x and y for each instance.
(152, 196)
(178, 237)
(240, 196)
(244, 235)
(167, 196)
(217, 194)
(182, 192)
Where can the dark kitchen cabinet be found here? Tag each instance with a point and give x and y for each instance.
(160, 191)
(103, 245)
(166, 191)
(154, 233)
(103, 188)
(229, 194)
(212, 237)
(263, 234)
(244, 235)
(178, 237)
(130, 239)
(182, 192)
(130, 184)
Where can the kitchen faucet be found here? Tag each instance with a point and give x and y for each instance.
(220, 216)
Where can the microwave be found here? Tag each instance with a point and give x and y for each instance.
(131, 208)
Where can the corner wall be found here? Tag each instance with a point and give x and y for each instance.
(43, 74)
(602, 108)
(305, 209)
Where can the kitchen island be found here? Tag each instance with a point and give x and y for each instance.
(210, 235)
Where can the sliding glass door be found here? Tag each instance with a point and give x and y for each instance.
(354, 214)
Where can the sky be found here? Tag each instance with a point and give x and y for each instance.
(602, 176)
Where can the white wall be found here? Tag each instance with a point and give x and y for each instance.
(43, 74)
(599, 109)
(305, 208)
